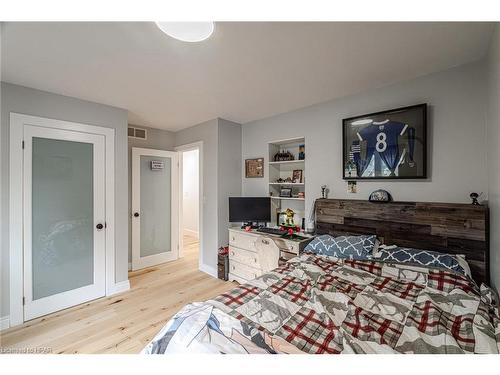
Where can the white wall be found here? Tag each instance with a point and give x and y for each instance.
(44, 104)
(493, 132)
(191, 191)
(456, 136)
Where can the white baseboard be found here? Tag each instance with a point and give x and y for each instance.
(193, 233)
(208, 269)
(119, 287)
(4, 322)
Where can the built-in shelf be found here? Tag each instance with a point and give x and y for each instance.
(287, 183)
(286, 162)
(288, 198)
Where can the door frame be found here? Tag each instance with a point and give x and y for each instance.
(136, 197)
(201, 200)
(16, 246)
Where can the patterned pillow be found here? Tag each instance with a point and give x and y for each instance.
(352, 247)
(420, 257)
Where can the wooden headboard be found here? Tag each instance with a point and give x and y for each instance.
(444, 227)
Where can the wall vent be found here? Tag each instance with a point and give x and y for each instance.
(136, 133)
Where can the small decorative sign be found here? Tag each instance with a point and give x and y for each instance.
(254, 168)
(157, 165)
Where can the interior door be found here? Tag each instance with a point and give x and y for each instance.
(155, 202)
(63, 214)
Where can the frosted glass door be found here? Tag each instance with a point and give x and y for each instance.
(154, 203)
(64, 199)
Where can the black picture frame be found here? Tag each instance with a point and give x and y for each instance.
(418, 115)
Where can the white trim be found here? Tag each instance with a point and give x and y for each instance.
(4, 322)
(139, 262)
(404, 129)
(212, 271)
(201, 200)
(17, 122)
(119, 287)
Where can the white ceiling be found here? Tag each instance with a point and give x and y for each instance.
(244, 72)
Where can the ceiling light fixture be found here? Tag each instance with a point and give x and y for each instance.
(187, 31)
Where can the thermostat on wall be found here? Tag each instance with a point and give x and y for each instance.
(157, 165)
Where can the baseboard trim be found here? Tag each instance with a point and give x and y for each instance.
(119, 287)
(4, 322)
(208, 269)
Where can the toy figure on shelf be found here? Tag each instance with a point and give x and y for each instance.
(289, 224)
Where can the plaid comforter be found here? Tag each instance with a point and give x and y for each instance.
(318, 304)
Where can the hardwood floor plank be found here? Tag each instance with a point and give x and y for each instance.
(126, 322)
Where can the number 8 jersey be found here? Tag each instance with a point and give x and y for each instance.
(382, 137)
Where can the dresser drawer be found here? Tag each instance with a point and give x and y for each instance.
(242, 240)
(243, 256)
(290, 246)
(244, 271)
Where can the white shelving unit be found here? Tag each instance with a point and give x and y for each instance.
(284, 169)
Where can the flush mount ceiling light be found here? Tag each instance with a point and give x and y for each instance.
(187, 31)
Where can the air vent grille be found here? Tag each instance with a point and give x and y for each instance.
(137, 133)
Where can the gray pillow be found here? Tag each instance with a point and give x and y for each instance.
(351, 247)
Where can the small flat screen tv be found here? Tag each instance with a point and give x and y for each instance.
(249, 209)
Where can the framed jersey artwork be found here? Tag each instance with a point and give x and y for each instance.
(386, 145)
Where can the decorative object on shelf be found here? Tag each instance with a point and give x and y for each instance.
(302, 152)
(289, 217)
(380, 196)
(285, 192)
(395, 139)
(271, 194)
(284, 155)
(301, 194)
(297, 176)
(324, 191)
(352, 187)
(254, 168)
(474, 197)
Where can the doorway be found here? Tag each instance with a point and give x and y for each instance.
(155, 219)
(62, 195)
(191, 200)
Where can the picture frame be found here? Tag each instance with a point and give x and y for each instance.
(297, 176)
(285, 192)
(254, 168)
(386, 145)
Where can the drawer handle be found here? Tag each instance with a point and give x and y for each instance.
(233, 268)
(255, 260)
(265, 242)
(232, 252)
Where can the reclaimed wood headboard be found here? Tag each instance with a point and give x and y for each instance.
(444, 227)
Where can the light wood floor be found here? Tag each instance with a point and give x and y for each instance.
(126, 322)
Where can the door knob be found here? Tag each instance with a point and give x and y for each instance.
(99, 226)
(136, 214)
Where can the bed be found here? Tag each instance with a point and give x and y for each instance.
(317, 303)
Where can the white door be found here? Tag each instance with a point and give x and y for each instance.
(63, 217)
(155, 205)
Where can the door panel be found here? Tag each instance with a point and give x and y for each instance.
(154, 203)
(64, 252)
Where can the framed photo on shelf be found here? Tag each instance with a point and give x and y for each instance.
(297, 176)
(386, 145)
(286, 192)
(254, 168)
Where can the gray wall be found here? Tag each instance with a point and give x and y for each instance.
(493, 132)
(221, 178)
(229, 173)
(207, 133)
(39, 103)
(456, 138)
(157, 139)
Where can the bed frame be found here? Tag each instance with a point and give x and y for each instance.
(444, 227)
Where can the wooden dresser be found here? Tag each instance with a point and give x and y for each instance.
(243, 260)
